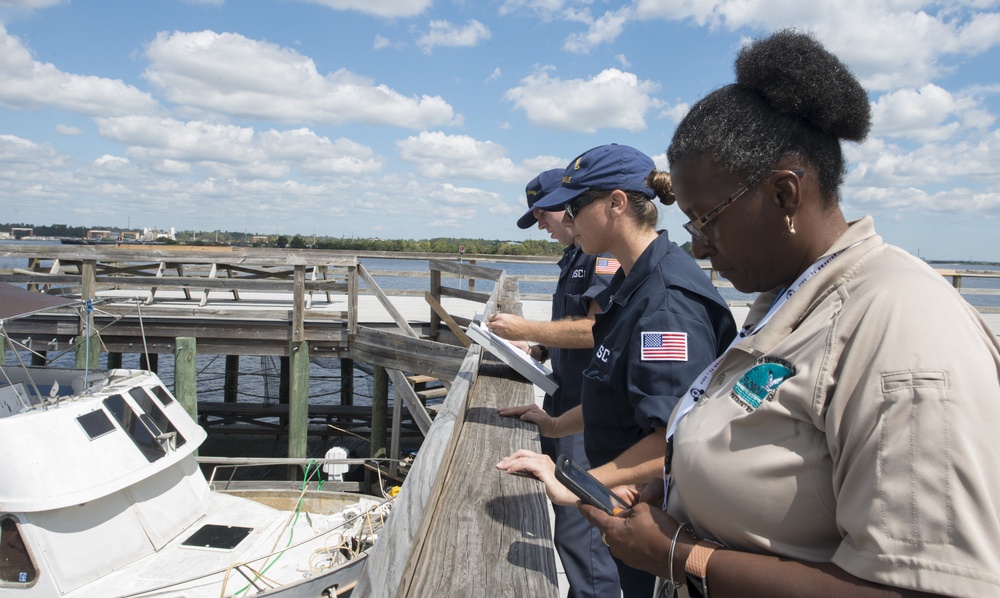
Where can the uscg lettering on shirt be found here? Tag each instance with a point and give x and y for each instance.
(664, 346)
(579, 273)
(603, 353)
(606, 265)
(760, 382)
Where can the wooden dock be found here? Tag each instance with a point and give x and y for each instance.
(459, 527)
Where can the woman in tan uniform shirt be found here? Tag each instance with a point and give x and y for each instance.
(844, 444)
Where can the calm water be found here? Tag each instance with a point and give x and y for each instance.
(259, 375)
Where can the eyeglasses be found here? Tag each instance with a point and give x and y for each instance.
(573, 208)
(695, 226)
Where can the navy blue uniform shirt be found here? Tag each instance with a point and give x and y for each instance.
(581, 279)
(628, 390)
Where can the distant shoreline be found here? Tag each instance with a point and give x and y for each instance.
(963, 262)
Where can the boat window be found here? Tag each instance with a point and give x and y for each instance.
(96, 423)
(139, 431)
(17, 567)
(158, 417)
(162, 394)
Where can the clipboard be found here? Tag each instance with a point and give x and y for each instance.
(529, 367)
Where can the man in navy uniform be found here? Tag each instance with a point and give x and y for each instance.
(568, 342)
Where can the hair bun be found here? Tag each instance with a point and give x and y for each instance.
(797, 76)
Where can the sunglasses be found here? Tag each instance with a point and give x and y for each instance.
(573, 208)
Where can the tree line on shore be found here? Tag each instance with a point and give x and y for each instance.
(435, 245)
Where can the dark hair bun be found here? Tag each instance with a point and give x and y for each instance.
(798, 76)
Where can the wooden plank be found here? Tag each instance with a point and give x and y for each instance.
(465, 269)
(461, 527)
(448, 320)
(469, 295)
(398, 352)
(383, 571)
(386, 303)
(501, 515)
(405, 391)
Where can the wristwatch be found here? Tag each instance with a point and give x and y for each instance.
(696, 565)
(543, 353)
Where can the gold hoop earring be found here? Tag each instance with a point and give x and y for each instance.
(790, 224)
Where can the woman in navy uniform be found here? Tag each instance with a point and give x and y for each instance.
(661, 323)
(566, 340)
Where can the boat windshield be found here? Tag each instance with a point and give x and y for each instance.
(148, 427)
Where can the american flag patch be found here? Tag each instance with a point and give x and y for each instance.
(664, 346)
(607, 265)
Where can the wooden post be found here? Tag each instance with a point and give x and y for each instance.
(114, 360)
(435, 319)
(88, 351)
(472, 281)
(298, 404)
(185, 372)
(397, 432)
(3, 351)
(39, 357)
(346, 381)
(380, 411)
(149, 362)
(352, 300)
(231, 386)
(283, 379)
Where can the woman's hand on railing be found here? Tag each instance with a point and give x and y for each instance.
(541, 468)
(533, 414)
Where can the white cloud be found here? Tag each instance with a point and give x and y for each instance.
(444, 33)
(494, 75)
(610, 99)
(440, 156)
(26, 153)
(30, 84)
(604, 30)
(68, 130)
(538, 7)
(230, 151)
(380, 8)
(382, 42)
(208, 71)
(30, 4)
(887, 44)
(928, 114)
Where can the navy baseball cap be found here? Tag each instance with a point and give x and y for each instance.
(606, 168)
(539, 187)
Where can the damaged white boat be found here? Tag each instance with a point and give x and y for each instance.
(102, 495)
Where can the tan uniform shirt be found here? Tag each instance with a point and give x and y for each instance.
(858, 426)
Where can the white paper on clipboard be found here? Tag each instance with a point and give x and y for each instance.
(524, 364)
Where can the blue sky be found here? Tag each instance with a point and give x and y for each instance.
(425, 118)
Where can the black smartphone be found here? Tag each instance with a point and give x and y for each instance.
(587, 487)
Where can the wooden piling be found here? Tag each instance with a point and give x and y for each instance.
(346, 381)
(231, 386)
(185, 373)
(88, 351)
(298, 399)
(380, 411)
(39, 358)
(114, 360)
(149, 361)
